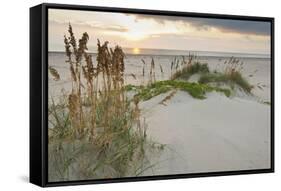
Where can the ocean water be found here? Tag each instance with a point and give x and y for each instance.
(256, 67)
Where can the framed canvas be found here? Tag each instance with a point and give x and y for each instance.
(121, 95)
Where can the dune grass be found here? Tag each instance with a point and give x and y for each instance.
(183, 69)
(230, 74)
(196, 90)
(94, 130)
(227, 78)
(189, 70)
(115, 152)
(267, 102)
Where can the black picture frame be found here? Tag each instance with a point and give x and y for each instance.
(39, 93)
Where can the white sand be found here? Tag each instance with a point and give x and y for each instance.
(215, 134)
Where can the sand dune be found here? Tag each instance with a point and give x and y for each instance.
(214, 134)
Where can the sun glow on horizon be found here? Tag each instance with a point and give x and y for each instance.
(136, 50)
(156, 32)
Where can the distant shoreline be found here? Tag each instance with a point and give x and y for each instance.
(156, 52)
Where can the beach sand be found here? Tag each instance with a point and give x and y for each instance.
(214, 134)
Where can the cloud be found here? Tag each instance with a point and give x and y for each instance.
(93, 25)
(224, 25)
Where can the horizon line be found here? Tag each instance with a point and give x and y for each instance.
(164, 49)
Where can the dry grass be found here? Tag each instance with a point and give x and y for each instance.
(231, 75)
(96, 131)
(187, 68)
(168, 97)
(54, 73)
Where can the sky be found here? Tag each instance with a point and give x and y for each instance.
(139, 31)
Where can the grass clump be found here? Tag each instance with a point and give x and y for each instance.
(267, 102)
(194, 89)
(188, 68)
(188, 71)
(231, 74)
(115, 152)
(95, 131)
(232, 78)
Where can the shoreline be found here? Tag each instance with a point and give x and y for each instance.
(201, 54)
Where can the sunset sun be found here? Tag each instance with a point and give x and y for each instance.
(136, 50)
